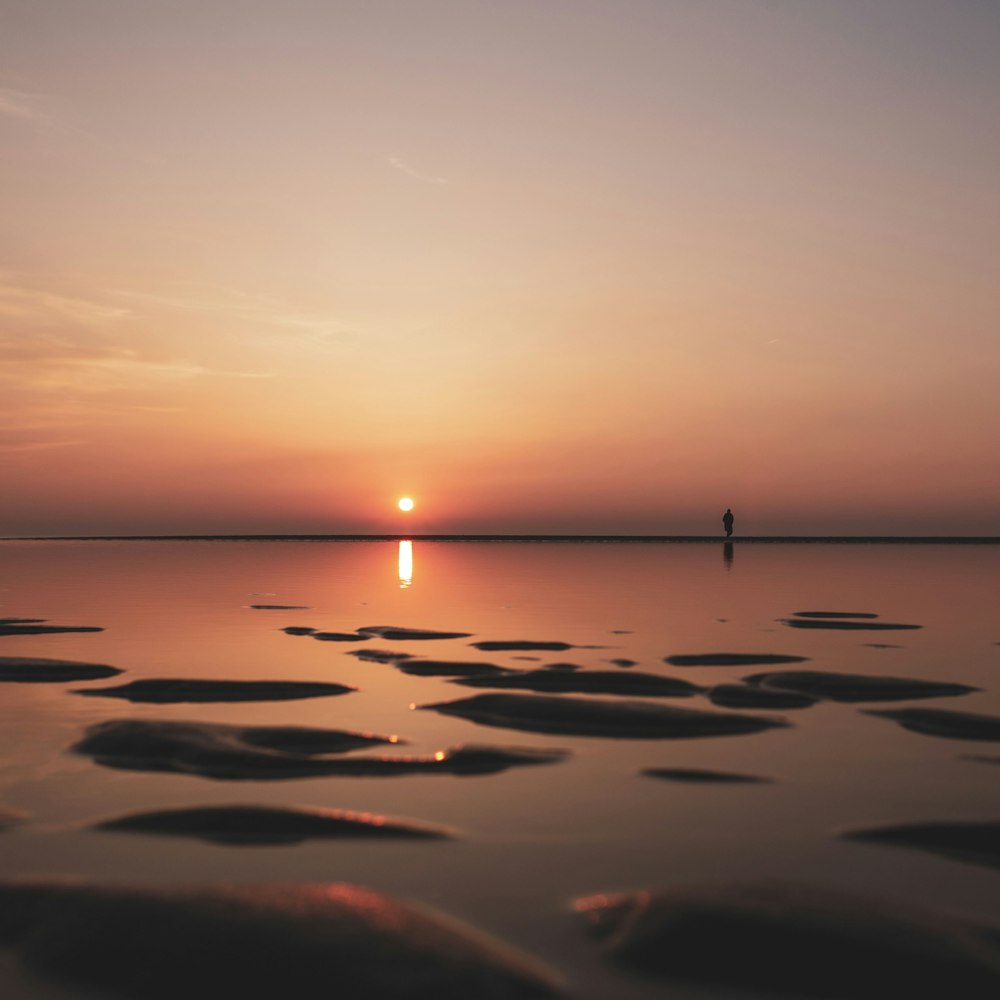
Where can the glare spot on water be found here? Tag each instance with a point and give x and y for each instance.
(405, 564)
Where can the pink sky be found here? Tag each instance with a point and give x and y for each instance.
(589, 266)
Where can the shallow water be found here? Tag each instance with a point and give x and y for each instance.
(531, 838)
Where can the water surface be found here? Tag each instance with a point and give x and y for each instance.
(532, 838)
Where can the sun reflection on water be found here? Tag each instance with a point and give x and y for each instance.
(405, 564)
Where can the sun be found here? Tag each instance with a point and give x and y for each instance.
(405, 504)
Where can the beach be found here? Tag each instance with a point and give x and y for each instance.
(601, 718)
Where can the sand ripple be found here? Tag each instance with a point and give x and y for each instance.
(975, 843)
(239, 825)
(175, 691)
(593, 717)
(795, 941)
(942, 722)
(396, 634)
(515, 645)
(449, 668)
(689, 775)
(263, 753)
(856, 687)
(730, 659)
(214, 750)
(14, 629)
(747, 696)
(35, 669)
(258, 942)
(589, 682)
(857, 626)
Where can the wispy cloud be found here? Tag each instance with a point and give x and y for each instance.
(100, 368)
(19, 302)
(400, 164)
(50, 340)
(44, 331)
(28, 437)
(168, 369)
(29, 446)
(20, 104)
(55, 117)
(268, 315)
(73, 366)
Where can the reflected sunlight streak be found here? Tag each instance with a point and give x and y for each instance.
(405, 564)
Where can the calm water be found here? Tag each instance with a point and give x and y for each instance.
(531, 839)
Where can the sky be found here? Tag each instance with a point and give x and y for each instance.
(542, 265)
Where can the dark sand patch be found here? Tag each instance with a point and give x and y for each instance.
(795, 941)
(396, 634)
(21, 621)
(745, 696)
(856, 687)
(730, 659)
(693, 776)
(298, 630)
(944, 723)
(589, 682)
(171, 691)
(257, 942)
(834, 614)
(379, 655)
(622, 661)
(562, 666)
(37, 669)
(255, 825)
(981, 758)
(591, 717)
(620, 631)
(449, 668)
(857, 626)
(882, 645)
(266, 753)
(279, 607)
(46, 629)
(214, 750)
(516, 645)
(974, 843)
(340, 637)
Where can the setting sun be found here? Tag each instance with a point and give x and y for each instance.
(406, 504)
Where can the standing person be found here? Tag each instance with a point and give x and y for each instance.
(727, 522)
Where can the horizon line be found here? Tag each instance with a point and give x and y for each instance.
(403, 537)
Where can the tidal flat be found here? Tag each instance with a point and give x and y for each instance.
(853, 825)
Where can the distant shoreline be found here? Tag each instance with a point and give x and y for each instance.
(662, 539)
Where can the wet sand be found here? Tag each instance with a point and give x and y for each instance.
(775, 824)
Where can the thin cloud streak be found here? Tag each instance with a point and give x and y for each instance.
(28, 437)
(30, 446)
(114, 368)
(168, 369)
(312, 328)
(22, 105)
(19, 302)
(56, 340)
(397, 164)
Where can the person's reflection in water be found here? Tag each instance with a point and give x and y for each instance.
(405, 564)
(727, 554)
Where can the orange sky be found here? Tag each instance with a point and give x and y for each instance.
(548, 266)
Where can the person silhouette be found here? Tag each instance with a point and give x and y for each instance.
(727, 522)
